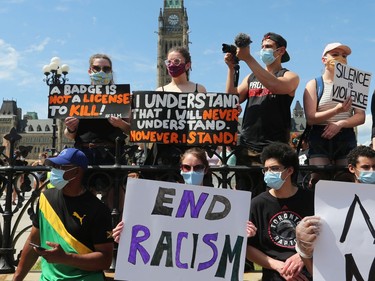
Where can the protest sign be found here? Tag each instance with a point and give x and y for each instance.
(351, 82)
(89, 101)
(345, 246)
(184, 118)
(182, 232)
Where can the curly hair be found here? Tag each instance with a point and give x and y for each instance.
(362, 150)
(283, 153)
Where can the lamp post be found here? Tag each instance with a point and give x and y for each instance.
(55, 75)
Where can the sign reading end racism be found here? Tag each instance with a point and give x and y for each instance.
(184, 118)
(351, 83)
(89, 101)
(182, 232)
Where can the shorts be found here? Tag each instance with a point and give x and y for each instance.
(336, 148)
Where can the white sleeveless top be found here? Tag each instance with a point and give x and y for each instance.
(327, 103)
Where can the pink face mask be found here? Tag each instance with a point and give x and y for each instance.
(176, 71)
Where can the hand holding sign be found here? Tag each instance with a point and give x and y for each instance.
(352, 83)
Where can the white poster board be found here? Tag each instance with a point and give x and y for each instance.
(182, 232)
(345, 242)
(351, 82)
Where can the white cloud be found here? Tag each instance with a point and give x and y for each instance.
(38, 48)
(8, 60)
(61, 8)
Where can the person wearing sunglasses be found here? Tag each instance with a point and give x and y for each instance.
(276, 212)
(193, 166)
(96, 137)
(70, 228)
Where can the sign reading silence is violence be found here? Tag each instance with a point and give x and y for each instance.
(351, 82)
(89, 101)
(182, 232)
(184, 118)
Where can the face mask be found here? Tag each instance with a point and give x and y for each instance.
(176, 70)
(193, 178)
(273, 180)
(366, 177)
(331, 61)
(101, 78)
(266, 55)
(57, 178)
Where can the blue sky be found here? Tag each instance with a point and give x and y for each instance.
(34, 31)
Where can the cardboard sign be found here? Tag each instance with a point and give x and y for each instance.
(182, 232)
(89, 101)
(184, 118)
(345, 248)
(351, 82)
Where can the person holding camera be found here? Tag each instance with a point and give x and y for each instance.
(269, 92)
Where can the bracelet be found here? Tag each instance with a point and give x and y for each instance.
(71, 131)
(302, 254)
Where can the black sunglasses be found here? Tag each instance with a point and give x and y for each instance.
(197, 168)
(98, 68)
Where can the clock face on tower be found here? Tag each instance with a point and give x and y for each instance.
(173, 19)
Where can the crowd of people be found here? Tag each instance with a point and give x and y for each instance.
(67, 223)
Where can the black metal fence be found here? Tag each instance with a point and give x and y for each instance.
(20, 187)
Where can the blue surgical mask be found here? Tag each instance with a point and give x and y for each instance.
(273, 180)
(366, 177)
(193, 178)
(266, 55)
(57, 178)
(101, 78)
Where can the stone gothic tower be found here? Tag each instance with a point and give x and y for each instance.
(173, 31)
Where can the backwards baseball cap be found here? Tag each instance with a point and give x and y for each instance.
(332, 46)
(280, 41)
(69, 156)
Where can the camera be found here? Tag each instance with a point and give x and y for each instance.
(230, 49)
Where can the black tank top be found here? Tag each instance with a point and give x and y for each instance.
(267, 116)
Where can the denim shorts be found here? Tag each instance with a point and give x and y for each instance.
(336, 148)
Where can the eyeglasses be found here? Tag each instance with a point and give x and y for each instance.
(273, 169)
(197, 168)
(98, 68)
(176, 62)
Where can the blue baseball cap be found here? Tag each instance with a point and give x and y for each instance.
(69, 156)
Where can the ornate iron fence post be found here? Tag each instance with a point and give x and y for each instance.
(6, 250)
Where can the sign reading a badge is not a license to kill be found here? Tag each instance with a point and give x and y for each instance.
(351, 82)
